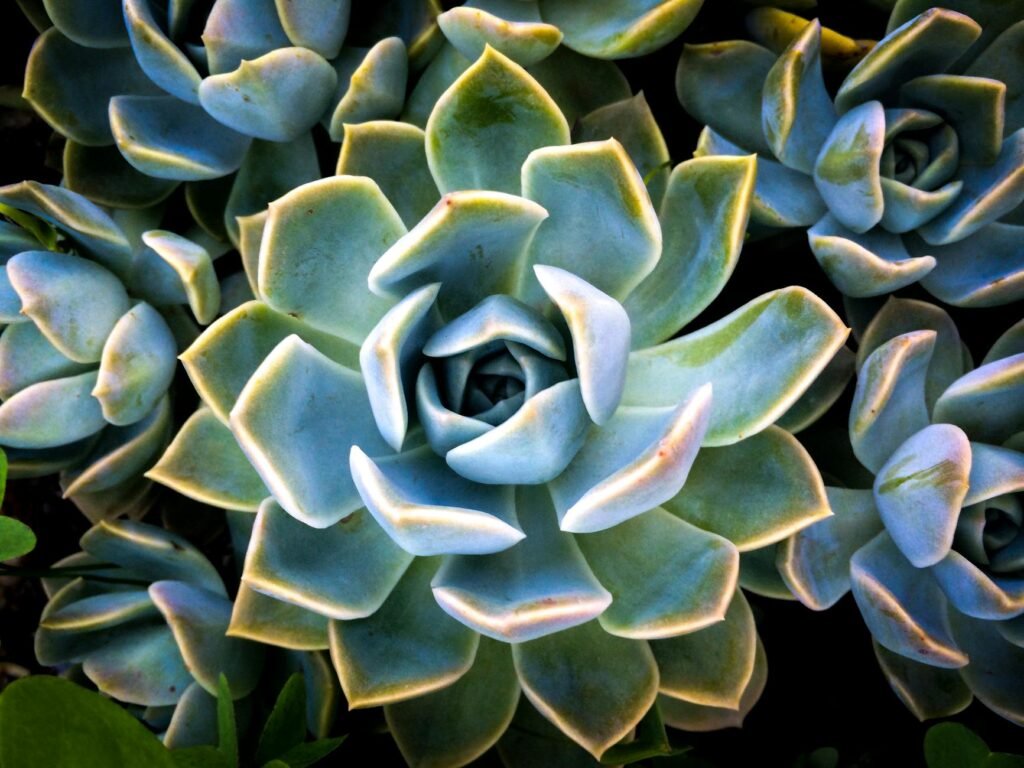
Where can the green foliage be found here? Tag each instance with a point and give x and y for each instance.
(952, 745)
(16, 538)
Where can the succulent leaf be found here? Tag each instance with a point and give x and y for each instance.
(511, 27)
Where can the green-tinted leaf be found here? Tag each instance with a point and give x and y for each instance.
(16, 538)
(952, 745)
(465, 127)
(286, 725)
(795, 335)
(94, 732)
(610, 29)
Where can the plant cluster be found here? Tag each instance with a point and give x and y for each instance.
(453, 435)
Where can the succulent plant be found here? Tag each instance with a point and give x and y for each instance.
(91, 310)
(465, 436)
(240, 97)
(934, 550)
(143, 614)
(912, 171)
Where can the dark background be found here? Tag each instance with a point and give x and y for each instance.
(824, 686)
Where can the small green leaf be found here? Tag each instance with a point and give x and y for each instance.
(951, 745)
(286, 726)
(16, 538)
(227, 730)
(93, 732)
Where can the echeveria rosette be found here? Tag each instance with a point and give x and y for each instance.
(934, 551)
(912, 171)
(239, 101)
(466, 442)
(143, 616)
(90, 313)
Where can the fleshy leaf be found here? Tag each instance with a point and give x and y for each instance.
(394, 155)
(164, 137)
(319, 26)
(370, 87)
(920, 489)
(69, 85)
(815, 562)
(137, 367)
(513, 28)
(429, 510)
(889, 402)
(985, 269)
(601, 227)
(473, 243)
(533, 445)
(540, 586)
(755, 492)
(847, 170)
(193, 266)
(666, 576)
(51, 413)
(989, 193)
(782, 197)
(871, 263)
(274, 97)
(26, 358)
(594, 320)
(409, 647)
(637, 461)
(605, 29)
(459, 723)
(241, 29)
(994, 668)
(926, 44)
(464, 126)
(703, 220)
(580, 84)
(797, 114)
(496, 318)
(388, 357)
(720, 85)
(903, 606)
(793, 333)
(345, 571)
(594, 686)
(221, 361)
(986, 403)
(899, 316)
(205, 463)
(338, 225)
(927, 691)
(274, 622)
(697, 717)
(973, 106)
(163, 61)
(279, 432)
(199, 619)
(270, 170)
(105, 177)
(75, 302)
(713, 666)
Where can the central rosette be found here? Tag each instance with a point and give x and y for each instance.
(504, 391)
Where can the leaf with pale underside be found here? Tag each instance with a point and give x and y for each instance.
(257, 617)
(605, 29)
(514, 28)
(51, 413)
(986, 403)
